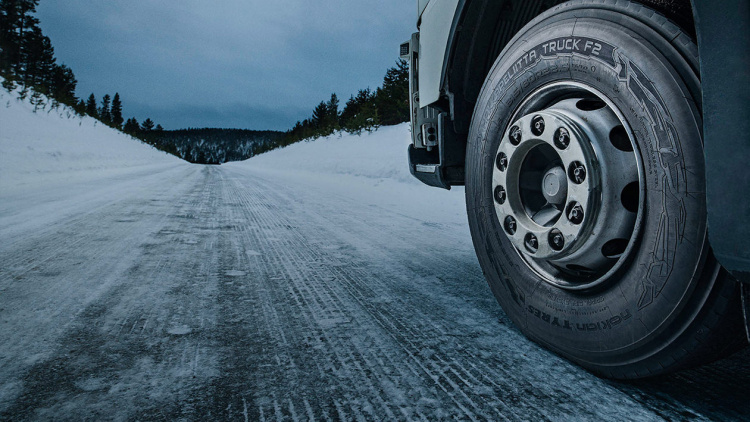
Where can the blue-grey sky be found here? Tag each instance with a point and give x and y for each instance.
(255, 64)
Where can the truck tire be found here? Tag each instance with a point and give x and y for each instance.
(585, 191)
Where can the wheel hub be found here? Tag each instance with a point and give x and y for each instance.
(555, 186)
(558, 183)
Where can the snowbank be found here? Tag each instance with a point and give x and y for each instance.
(50, 147)
(51, 154)
(377, 155)
(369, 169)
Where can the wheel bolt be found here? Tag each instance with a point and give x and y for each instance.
(556, 240)
(574, 212)
(500, 195)
(531, 243)
(502, 161)
(537, 125)
(562, 138)
(515, 135)
(510, 225)
(577, 172)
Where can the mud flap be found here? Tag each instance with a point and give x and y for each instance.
(425, 166)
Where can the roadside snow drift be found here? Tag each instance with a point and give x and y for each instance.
(371, 168)
(50, 147)
(377, 155)
(55, 164)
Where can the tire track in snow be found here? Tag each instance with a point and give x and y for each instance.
(277, 314)
(235, 295)
(93, 344)
(521, 376)
(353, 283)
(75, 253)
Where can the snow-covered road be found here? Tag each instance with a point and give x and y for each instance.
(319, 282)
(236, 292)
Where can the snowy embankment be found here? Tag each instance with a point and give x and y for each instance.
(377, 155)
(56, 165)
(51, 147)
(371, 168)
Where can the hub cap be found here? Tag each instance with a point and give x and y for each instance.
(566, 186)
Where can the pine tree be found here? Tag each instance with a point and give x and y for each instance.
(30, 45)
(131, 126)
(14, 24)
(91, 107)
(62, 85)
(332, 117)
(37, 59)
(116, 111)
(320, 114)
(105, 115)
(325, 118)
(148, 125)
(81, 107)
(27, 55)
(392, 99)
(360, 112)
(9, 40)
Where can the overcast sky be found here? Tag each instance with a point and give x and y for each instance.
(255, 64)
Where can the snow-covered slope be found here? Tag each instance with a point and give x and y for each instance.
(53, 147)
(371, 168)
(377, 155)
(53, 163)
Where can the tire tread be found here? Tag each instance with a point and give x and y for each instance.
(717, 328)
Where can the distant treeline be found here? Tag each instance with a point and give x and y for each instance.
(27, 59)
(387, 105)
(216, 146)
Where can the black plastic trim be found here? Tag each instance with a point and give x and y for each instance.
(723, 44)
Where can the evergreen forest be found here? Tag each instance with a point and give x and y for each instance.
(28, 65)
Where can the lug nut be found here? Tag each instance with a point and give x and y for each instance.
(556, 240)
(510, 225)
(562, 138)
(500, 195)
(574, 212)
(577, 172)
(515, 135)
(502, 161)
(537, 125)
(531, 243)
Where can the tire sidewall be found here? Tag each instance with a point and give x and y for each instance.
(646, 298)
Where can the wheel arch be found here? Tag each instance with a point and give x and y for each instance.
(482, 28)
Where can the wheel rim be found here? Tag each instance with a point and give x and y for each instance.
(548, 184)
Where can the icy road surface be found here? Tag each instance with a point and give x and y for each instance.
(316, 282)
(227, 292)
